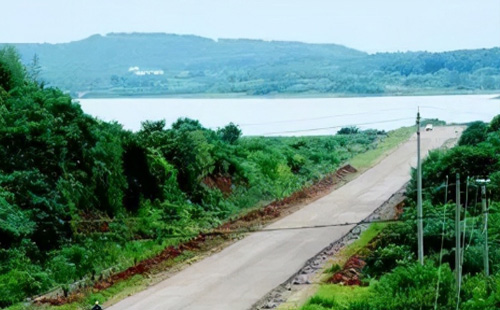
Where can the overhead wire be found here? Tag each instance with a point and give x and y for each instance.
(339, 126)
(170, 217)
(176, 217)
(342, 115)
(454, 110)
(320, 117)
(259, 229)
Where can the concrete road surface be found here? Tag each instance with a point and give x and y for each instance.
(241, 274)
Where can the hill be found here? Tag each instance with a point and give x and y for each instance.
(157, 64)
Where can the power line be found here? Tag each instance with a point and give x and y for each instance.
(340, 126)
(343, 115)
(321, 117)
(458, 111)
(176, 217)
(216, 232)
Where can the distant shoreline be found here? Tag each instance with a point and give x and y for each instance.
(281, 95)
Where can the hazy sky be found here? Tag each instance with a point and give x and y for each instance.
(368, 25)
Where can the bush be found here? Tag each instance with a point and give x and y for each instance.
(474, 134)
(384, 259)
(414, 287)
(348, 130)
(494, 124)
(480, 293)
(230, 133)
(15, 285)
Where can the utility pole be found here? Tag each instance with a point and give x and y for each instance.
(420, 226)
(458, 265)
(483, 183)
(446, 191)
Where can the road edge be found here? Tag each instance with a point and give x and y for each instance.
(317, 264)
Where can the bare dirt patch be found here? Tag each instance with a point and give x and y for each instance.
(350, 273)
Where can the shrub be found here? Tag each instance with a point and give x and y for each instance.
(15, 285)
(384, 259)
(480, 293)
(474, 134)
(414, 287)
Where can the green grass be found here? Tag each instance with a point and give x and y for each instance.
(371, 157)
(357, 246)
(334, 296)
(366, 237)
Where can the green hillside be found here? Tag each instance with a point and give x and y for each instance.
(100, 66)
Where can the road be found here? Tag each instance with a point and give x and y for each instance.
(242, 273)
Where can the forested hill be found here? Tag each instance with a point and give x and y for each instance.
(165, 64)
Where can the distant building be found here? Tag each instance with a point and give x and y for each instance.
(136, 71)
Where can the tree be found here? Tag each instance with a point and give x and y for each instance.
(34, 69)
(186, 124)
(494, 124)
(12, 72)
(230, 134)
(151, 126)
(348, 130)
(474, 134)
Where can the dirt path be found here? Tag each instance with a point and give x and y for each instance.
(241, 274)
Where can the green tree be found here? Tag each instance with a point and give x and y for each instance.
(230, 133)
(494, 124)
(12, 72)
(474, 134)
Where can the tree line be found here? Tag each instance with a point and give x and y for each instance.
(100, 67)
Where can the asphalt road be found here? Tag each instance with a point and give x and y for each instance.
(241, 274)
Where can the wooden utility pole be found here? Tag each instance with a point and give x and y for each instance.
(485, 227)
(458, 265)
(446, 191)
(420, 226)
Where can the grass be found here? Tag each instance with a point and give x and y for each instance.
(366, 237)
(356, 247)
(334, 296)
(394, 138)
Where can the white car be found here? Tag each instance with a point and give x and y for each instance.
(428, 127)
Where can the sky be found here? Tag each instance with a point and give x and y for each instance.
(367, 25)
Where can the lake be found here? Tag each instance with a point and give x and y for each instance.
(296, 116)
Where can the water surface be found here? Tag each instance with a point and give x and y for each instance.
(296, 116)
